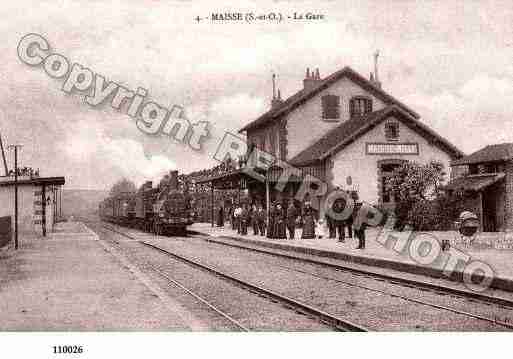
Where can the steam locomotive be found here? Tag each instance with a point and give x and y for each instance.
(165, 209)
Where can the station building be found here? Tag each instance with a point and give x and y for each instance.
(485, 178)
(39, 203)
(345, 130)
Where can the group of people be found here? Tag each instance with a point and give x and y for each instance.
(284, 221)
(244, 216)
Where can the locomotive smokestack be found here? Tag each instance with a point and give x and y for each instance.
(173, 180)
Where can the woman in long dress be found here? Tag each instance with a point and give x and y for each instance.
(308, 222)
(220, 216)
(280, 224)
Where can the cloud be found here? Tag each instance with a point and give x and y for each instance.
(227, 113)
(89, 146)
(448, 61)
(473, 115)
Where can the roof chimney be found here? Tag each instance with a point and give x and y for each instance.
(375, 81)
(311, 80)
(276, 101)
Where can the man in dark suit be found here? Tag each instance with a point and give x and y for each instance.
(331, 225)
(261, 219)
(292, 215)
(244, 220)
(359, 230)
(339, 224)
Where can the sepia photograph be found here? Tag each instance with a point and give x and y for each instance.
(175, 173)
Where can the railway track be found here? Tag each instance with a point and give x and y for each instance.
(435, 288)
(198, 297)
(472, 297)
(336, 323)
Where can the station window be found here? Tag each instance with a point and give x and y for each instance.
(330, 107)
(360, 105)
(392, 131)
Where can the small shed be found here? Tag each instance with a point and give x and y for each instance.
(39, 202)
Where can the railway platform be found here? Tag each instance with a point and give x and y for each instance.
(70, 281)
(493, 249)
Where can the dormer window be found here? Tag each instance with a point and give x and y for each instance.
(330, 107)
(360, 105)
(392, 131)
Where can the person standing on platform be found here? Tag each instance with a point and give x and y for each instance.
(308, 222)
(272, 216)
(261, 219)
(291, 219)
(254, 219)
(220, 216)
(237, 217)
(280, 225)
(349, 221)
(359, 230)
(321, 229)
(244, 219)
(229, 215)
(330, 225)
(339, 224)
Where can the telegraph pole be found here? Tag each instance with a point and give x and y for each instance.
(15, 147)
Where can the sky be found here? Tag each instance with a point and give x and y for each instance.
(450, 61)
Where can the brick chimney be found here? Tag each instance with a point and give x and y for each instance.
(374, 77)
(276, 101)
(311, 79)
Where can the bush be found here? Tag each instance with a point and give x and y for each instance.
(420, 203)
(432, 215)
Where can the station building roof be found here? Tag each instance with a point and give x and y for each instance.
(348, 131)
(34, 181)
(474, 183)
(492, 153)
(305, 94)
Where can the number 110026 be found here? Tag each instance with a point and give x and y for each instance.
(68, 349)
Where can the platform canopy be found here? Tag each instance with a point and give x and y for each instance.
(233, 179)
(35, 181)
